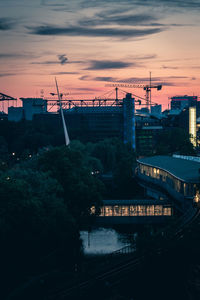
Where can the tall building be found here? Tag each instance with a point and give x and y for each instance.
(193, 125)
(129, 120)
(30, 107)
(94, 123)
(148, 129)
(181, 102)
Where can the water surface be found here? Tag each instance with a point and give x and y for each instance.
(103, 241)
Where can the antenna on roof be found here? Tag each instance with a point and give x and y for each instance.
(67, 141)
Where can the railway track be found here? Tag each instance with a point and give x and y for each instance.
(110, 274)
(113, 276)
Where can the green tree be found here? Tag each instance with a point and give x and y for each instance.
(34, 222)
(105, 151)
(4, 155)
(126, 186)
(175, 140)
(70, 168)
(93, 163)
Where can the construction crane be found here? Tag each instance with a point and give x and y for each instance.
(4, 97)
(146, 88)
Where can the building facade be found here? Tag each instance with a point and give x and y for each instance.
(181, 102)
(177, 176)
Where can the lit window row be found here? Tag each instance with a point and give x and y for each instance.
(187, 189)
(134, 210)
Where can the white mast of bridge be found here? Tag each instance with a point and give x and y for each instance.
(67, 141)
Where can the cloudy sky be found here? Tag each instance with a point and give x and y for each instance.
(87, 44)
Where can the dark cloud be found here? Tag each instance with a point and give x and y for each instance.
(146, 57)
(153, 79)
(10, 55)
(22, 55)
(55, 62)
(6, 24)
(122, 19)
(125, 18)
(108, 64)
(173, 3)
(87, 89)
(169, 67)
(92, 32)
(85, 77)
(191, 4)
(65, 73)
(178, 77)
(101, 78)
(8, 74)
(169, 84)
(166, 80)
(63, 59)
(46, 3)
(104, 78)
(48, 62)
(175, 83)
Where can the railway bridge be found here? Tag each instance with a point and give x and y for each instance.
(170, 183)
(137, 211)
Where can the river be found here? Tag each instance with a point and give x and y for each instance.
(104, 240)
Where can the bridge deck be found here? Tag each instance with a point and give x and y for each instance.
(137, 211)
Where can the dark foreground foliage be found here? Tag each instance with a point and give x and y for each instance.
(46, 197)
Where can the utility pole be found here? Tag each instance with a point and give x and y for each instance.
(150, 93)
(116, 99)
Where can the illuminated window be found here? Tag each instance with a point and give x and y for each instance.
(125, 211)
(141, 210)
(167, 211)
(117, 211)
(150, 210)
(197, 197)
(158, 210)
(102, 211)
(133, 210)
(108, 211)
(192, 125)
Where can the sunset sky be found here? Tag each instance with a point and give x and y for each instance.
(87, 44)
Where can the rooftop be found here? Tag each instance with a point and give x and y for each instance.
(135, 202)
(94, 109)
(183, 169)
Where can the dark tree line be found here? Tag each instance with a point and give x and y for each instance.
(46, 197)
(174, 140)
(47, 190)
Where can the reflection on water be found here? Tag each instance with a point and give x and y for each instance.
(103, 241)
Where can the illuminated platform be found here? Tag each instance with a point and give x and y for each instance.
(178, 177)
(134, 212)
